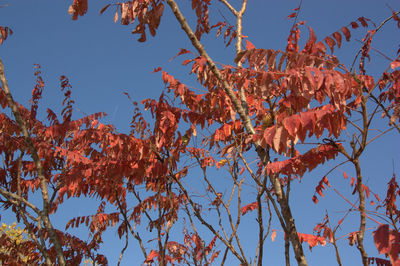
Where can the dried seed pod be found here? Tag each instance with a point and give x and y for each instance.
(267, 121)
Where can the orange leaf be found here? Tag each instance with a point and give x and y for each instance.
(248, 207)
(363, 21)
(330, 42)
(241, 171)
(273, 235)
(395, 64)
(151, 256)
(249, 45)
(366, 189)
(354, 25)
(315, 199)
(116, 16)
(346, 33)
(156, 70)
(338, 38)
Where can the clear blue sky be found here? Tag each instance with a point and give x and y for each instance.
(103, 60)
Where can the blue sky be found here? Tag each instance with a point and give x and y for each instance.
(103, 60)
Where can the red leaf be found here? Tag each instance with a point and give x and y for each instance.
(395, 64)
(320, 46)
(346, 33)
(310, 45)
(116, 16)
(78, 8)
(241, 171)
(273, 235)
(312, 240)
(181, 52)
(325, 180)
(276, 141)
(352, 181)
(338, 38)
(319, 191)
(311, 78)
(248, 207)
(315, 199)
(363, 21)
(352, 238)
(344, 175)
(151, 256)
(292, 124)
(354, 25)
(366, 189)
(156, 70)
(249, 45)
(381, 239)
(330, 42)
(291, 15)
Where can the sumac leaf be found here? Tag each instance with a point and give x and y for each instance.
(354, 25)
(338, 38)
(330, 42)
(248, 207)
(346, 33)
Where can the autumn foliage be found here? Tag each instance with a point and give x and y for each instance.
(250, 121)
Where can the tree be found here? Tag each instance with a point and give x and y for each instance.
(266, 106)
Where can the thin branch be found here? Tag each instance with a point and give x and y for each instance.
(355, 125)
(338, 259)
(355, 207)
(128, 225)
(384, 132)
